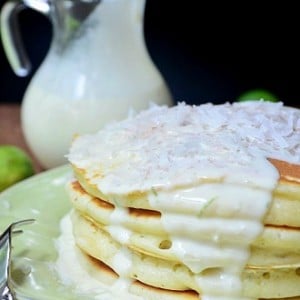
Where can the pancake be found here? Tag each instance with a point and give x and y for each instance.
(203, 199)
(148, 235)
(284, 210)
(285, 207)
(172, 275)
(105, 274)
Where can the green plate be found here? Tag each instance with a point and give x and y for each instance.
(43, 198)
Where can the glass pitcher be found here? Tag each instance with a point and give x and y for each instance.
(96, 71)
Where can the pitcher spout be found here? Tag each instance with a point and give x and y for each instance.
(67, 17)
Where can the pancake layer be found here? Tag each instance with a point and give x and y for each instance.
(148, 236)
(172, 275)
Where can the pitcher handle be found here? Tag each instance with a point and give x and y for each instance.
(10, 33)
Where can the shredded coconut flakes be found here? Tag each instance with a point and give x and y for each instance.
(165, 146)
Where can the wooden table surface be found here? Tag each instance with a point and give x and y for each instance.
(11, 132)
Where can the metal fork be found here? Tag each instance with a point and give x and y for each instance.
(6, 292)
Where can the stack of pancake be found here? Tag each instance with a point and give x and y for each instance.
(192, 202)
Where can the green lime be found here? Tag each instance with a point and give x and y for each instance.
(258, 94)
(15, 165)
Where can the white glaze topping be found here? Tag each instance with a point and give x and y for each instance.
(184, 144)
(72, 272)
(115, 228)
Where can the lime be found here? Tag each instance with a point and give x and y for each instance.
(15, 165)
(258, 94)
